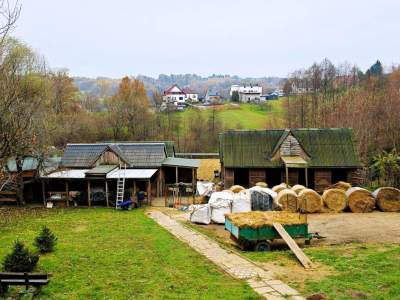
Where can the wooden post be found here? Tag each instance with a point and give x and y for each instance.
(107, 193)
(306, 170)
(287, 175)
(43, 193)
(149, 192)
(89, 198)
(67, 191)
(158, 183)
(176, 175)
(134, 188)
(193, 185)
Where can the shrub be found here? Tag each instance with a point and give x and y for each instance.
(20, 259)
(45, 241)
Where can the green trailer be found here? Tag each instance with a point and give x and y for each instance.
(260, 238)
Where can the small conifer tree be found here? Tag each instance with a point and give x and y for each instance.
(20, 259)
(45, 241)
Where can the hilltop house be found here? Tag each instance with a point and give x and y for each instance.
(313, 157)
(247, 93)
(146, 166)
(177, 96)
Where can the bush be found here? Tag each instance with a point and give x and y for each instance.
(45, 241)
(20, 259)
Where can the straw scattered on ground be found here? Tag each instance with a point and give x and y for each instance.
(257, 219)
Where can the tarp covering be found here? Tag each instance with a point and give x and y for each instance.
(132, 173)
(68, 174)
(261, 198)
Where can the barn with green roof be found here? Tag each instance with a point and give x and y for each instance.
(315, 157)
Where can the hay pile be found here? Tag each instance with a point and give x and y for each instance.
(360, 200)
(310, 201)
(207, 168)
(335, 199)
(279, 187)
(387, 199)
(236, 188)
(298, 188)
(262, 184)
(287, 200)
(257, 219)
(341, 185)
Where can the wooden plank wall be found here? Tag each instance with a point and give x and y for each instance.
(229, 177)
(293, 176)
(356, 176)
(256, 175)
(322, 179)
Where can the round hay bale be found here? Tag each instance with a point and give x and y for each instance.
(360, 200)
(262, 184)
(341, 185)
(279, 187)
(309, 201)
(218, 188)
(335, 199)
(236, 188)
(298, 188)
(387, 199)
(287, 200)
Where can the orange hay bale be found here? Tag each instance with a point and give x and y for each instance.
(387, 199)
(287, 200)
(298, 188)
(279, 187)
(360, 200)
(335, 199)
(309, 201)
(236, 188)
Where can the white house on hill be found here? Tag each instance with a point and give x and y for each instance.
(247, 93)
(178, 96)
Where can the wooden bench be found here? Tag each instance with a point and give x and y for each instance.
(36, 280)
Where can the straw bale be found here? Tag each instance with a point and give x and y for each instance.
(236, 188)
(262, 184)
(279, 187)
(335, 199)
(387, 199)
(341, 185)
(257, 219)
(360, 200)
(287, 200)
(298, 188)
(309, 201)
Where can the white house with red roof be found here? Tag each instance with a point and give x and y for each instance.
(177, 96)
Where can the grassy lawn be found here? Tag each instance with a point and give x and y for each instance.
(108, 254)
(246, 116)
(350, 271)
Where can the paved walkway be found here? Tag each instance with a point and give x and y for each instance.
(260, 280)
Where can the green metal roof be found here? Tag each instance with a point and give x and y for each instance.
(331, 147)
(181, 162)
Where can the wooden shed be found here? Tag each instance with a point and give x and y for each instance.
(312, 157)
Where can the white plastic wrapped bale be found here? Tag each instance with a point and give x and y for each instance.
(262, 198)
(220, 204)
(241, 202)
(200, 214)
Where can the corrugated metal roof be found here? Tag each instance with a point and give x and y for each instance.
(101, 170)
(132, 173)
(181, 162)
(31, 163)
(332, 147)
(137, 155)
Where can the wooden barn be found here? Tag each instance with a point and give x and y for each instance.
(312, 157)
(91, 170)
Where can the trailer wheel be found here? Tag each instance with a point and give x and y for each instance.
(263, 246)
(307, 242)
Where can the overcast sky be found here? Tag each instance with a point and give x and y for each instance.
(245, 38)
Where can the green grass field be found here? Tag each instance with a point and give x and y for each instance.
(244, 116)
(344, 272)
(108, 254)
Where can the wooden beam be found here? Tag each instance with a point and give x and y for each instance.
(108, 204)
(287, 175)
(43, 193)
(149, 192)
(67, 191)
(306, 171)
(305, 261)
(193, 184)
(89, 198)
(176, 175)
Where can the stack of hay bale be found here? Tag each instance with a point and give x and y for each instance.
(338, 198)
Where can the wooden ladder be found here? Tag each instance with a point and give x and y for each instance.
(120, 187)
(305, 261)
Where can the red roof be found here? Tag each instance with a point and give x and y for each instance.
(187, 90)
(169, 90)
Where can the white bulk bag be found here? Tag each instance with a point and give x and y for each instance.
(200, 214)
(204, 188)
(241, 202)
(220, 203)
